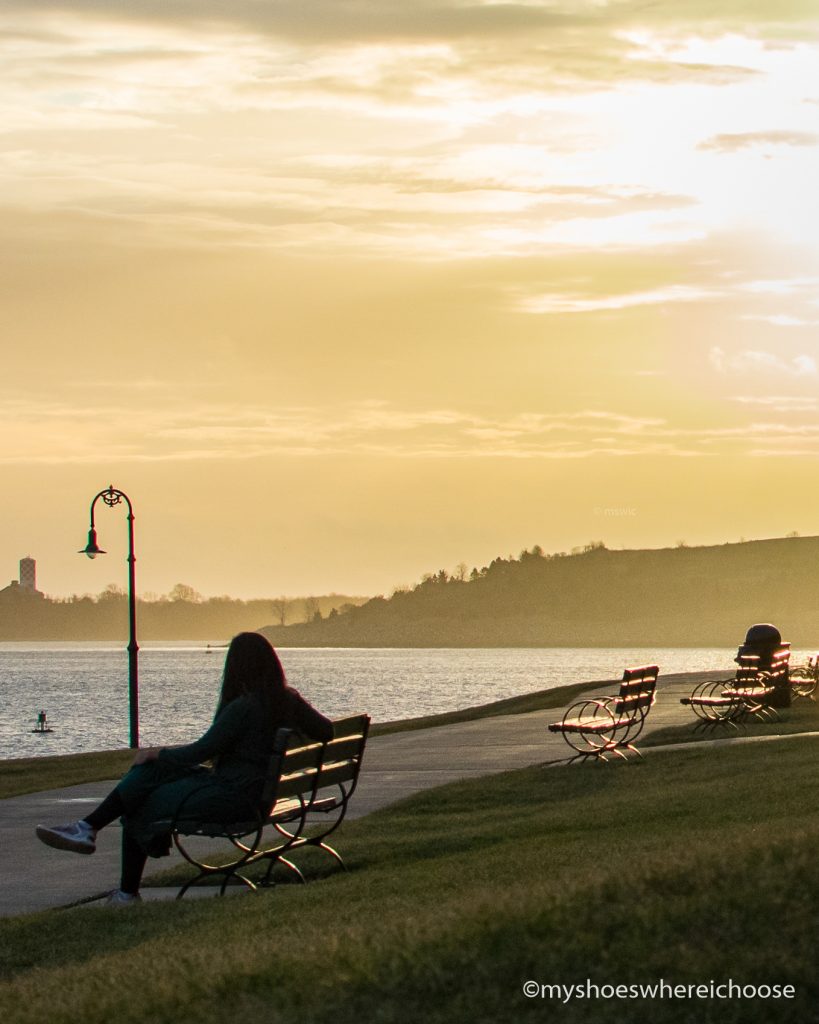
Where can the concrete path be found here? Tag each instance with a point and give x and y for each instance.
(35, 877)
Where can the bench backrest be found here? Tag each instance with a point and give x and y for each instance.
(774, 666)
(341, 762)
(300, 772)
(636, 691)
(274, 769)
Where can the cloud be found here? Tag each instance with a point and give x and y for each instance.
(325, 21)
(781, 320)
(780, 403)
(55, 433)
(575, 304)
(499, 127)
(781, 285)
(750, 361)
(369, 56)
(731, 142)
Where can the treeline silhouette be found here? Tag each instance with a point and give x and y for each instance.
(183, 614)
(673, 597)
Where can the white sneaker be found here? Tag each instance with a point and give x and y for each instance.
(118, 898)
(78, 837)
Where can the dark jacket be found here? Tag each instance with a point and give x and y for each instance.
(238, 744)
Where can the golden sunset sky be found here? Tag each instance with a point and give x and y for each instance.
(344, 291)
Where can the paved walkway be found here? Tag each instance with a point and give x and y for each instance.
(35, 877)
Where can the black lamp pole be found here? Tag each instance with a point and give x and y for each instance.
(112, 497)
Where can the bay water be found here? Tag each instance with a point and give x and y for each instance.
(83, 687)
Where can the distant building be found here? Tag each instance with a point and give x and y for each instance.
(28, 573)
(26, 586)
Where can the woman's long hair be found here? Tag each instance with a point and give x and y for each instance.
(253, 667)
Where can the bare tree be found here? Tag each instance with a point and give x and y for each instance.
(280, 607)
(461, 569)
(312, 609)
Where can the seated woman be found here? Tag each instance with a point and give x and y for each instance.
(254, 703)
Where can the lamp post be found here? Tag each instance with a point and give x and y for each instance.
(112, 497)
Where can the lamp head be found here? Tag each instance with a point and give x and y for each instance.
(92, 549)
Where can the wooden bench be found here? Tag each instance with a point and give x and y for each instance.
(748, 694)
(804, 678)
(596, 727)
(307, 790)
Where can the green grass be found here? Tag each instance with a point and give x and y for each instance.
(694, 865)
(801, 716)
(35, 774)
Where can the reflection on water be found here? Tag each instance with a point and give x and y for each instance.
(84, 687)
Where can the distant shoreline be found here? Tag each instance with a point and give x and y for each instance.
(222, 645)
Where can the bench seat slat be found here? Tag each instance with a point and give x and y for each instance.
(708, 702)
(750, 691)
(287, 810)
(590, 725)
(212, 829)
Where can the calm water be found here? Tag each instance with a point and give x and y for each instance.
(84, 687)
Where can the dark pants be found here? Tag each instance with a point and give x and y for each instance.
(149, 798)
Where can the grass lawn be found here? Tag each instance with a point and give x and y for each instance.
(801, 716)
(693, 866)
(34, 774)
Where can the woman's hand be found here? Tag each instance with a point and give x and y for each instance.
(147, 754)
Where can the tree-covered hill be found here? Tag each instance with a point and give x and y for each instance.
(683, 596)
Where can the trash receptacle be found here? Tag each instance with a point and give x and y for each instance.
(764, 641)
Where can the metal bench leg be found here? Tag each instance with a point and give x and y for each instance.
(267, 881)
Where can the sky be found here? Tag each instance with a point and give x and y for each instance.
(341, 292)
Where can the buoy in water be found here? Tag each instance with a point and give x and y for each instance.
(42, 724)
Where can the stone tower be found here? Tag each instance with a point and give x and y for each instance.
(28, 573)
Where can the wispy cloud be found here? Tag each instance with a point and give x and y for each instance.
(780, 403)
(782, 286)
(750, 361)
(340, 20)
(781, 320)
(730, 142)
(57, 433)
(577, 304)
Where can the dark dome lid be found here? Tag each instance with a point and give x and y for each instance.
(763, 633)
